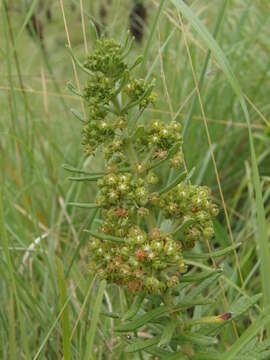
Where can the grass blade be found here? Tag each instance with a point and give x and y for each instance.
(10, 269)
(95, 317)
(64, 316)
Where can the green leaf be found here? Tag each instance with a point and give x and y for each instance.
(95, 313)
(77, 61)
(11, 274)
(200, 276)
(214, 254)
(243, 305)
(105, 237)
(197, 290)
(181, 228)
(112, 315)
(134, 308)
(139, 345)
(220, 233)
(79, 171)
(165, 355)
(27, 19)
(65, 315)
(192, 302)
(207, 356)
(85, 178)
(84, 205)
(168, 332)
(144, 319)
(78, 115)
(196, 338)
(150, 37)
(178, 178)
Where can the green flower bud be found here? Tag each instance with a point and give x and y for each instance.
(157, 246)
(170, 248)
(152, 284)
(125, 252)
(152, 178)
(208, 232)
(173, 281)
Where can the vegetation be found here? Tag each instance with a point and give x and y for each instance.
(128, 257)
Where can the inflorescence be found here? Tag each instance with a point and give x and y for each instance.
(147, 222)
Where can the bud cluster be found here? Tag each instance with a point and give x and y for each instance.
(191, 205)
(143, 257)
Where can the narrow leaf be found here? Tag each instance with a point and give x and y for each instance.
(168, 332)
(89, 354)
(178, 178)
(201, 276)
(65, 315)
(218, 253)
(84, 205)
(105, 237)
(139, 345)
(134, 308)
(143, 319)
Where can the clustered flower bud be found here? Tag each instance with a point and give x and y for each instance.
(146, 257)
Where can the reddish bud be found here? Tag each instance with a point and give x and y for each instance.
(226, 316)
(141, 254)
(121, 212)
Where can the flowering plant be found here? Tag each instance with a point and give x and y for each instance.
(148, 226)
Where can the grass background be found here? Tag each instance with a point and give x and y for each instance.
(43, 274)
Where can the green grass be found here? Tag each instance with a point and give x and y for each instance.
(52, 309)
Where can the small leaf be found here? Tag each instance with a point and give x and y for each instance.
(207, 356)
(196, 339)
(105, 237)
(139, 345)
(113, 315)
(137, 62)
(78, 63)
(243, 305)
(168, 332)
(78, 115)
(200, 276)
(196, 291)
(178, 178)
(218, 253)
(84, 205)
(144, 319)
(79, 171)
(139, 132)
(85, 178)
(134, 308)
(72, 88)
(181, 228)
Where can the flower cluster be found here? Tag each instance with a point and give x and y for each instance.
(131, 246)
(121, 189)
(150, 262)
(190, 205)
